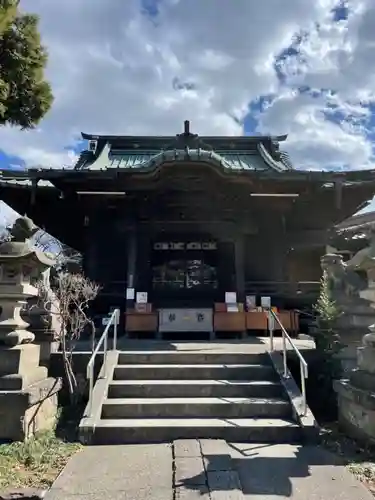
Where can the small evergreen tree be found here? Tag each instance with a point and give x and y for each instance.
(327, 309)
(326, 336)
(327, 367)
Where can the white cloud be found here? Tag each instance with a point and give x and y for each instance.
(112, 71)
(336, 57)
(315, 142)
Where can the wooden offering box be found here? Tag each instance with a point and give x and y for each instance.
(228, 321)
(289, 320)
(256, 320)
(141, 319)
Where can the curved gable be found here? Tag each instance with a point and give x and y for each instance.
(147, 153)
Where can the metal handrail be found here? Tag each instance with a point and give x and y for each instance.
(272, 317)
(104, 338)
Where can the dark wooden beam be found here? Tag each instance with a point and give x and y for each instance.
(68, 175)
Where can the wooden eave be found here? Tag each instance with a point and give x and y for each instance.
(142, 172)
(346, 192)
(142, 179)
(139, 179)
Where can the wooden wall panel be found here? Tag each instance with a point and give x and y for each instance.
(304, 265)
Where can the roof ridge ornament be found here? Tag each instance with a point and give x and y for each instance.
(187, 129)
(186, 140)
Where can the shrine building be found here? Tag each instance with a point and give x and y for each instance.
(188, 223)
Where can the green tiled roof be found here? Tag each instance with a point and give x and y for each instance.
(244, 161)
(129, 159)
(235, 153)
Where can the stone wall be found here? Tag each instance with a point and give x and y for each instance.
(24, 413)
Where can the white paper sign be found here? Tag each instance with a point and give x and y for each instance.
(265, 302)
(251, 302)
(230, 297)
(106, 319)
(130, 294)
(142, 297)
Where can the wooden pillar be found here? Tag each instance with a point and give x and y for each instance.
(144, 261)
(239, 256)
(131, 278)
(226, 268)
(90, 258)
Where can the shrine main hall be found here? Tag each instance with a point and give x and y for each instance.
(188, 233)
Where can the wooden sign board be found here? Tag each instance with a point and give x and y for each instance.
(181, 245)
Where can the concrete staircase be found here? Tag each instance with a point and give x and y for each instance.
(160, 396)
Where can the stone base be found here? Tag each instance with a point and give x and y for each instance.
(19, 367)
(47, 347)
(356, 411)
(347, 357)
(357, 318)
(25, 412)
(351, 339)
(363, 380)
(366, 359)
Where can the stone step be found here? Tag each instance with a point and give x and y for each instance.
(193, 388)
(200, 371)
(195, 408)
(191, 357)
(262, 430)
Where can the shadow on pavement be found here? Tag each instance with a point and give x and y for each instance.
(276, 470)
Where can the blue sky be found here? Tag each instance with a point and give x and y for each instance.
(302, 67)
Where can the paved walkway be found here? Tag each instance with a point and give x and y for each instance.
(206, 470)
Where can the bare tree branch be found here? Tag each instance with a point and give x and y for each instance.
(71, 295)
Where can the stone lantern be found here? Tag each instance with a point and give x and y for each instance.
(18, 264)
(28, 397)
(356, 394)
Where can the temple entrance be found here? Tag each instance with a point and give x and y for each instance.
(184, 273)
(184, 286)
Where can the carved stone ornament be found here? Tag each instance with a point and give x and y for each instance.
(364, 260)
(343, 281)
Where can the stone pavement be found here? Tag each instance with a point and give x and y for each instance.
(120, 472)
(250, 345)
(206, 470)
